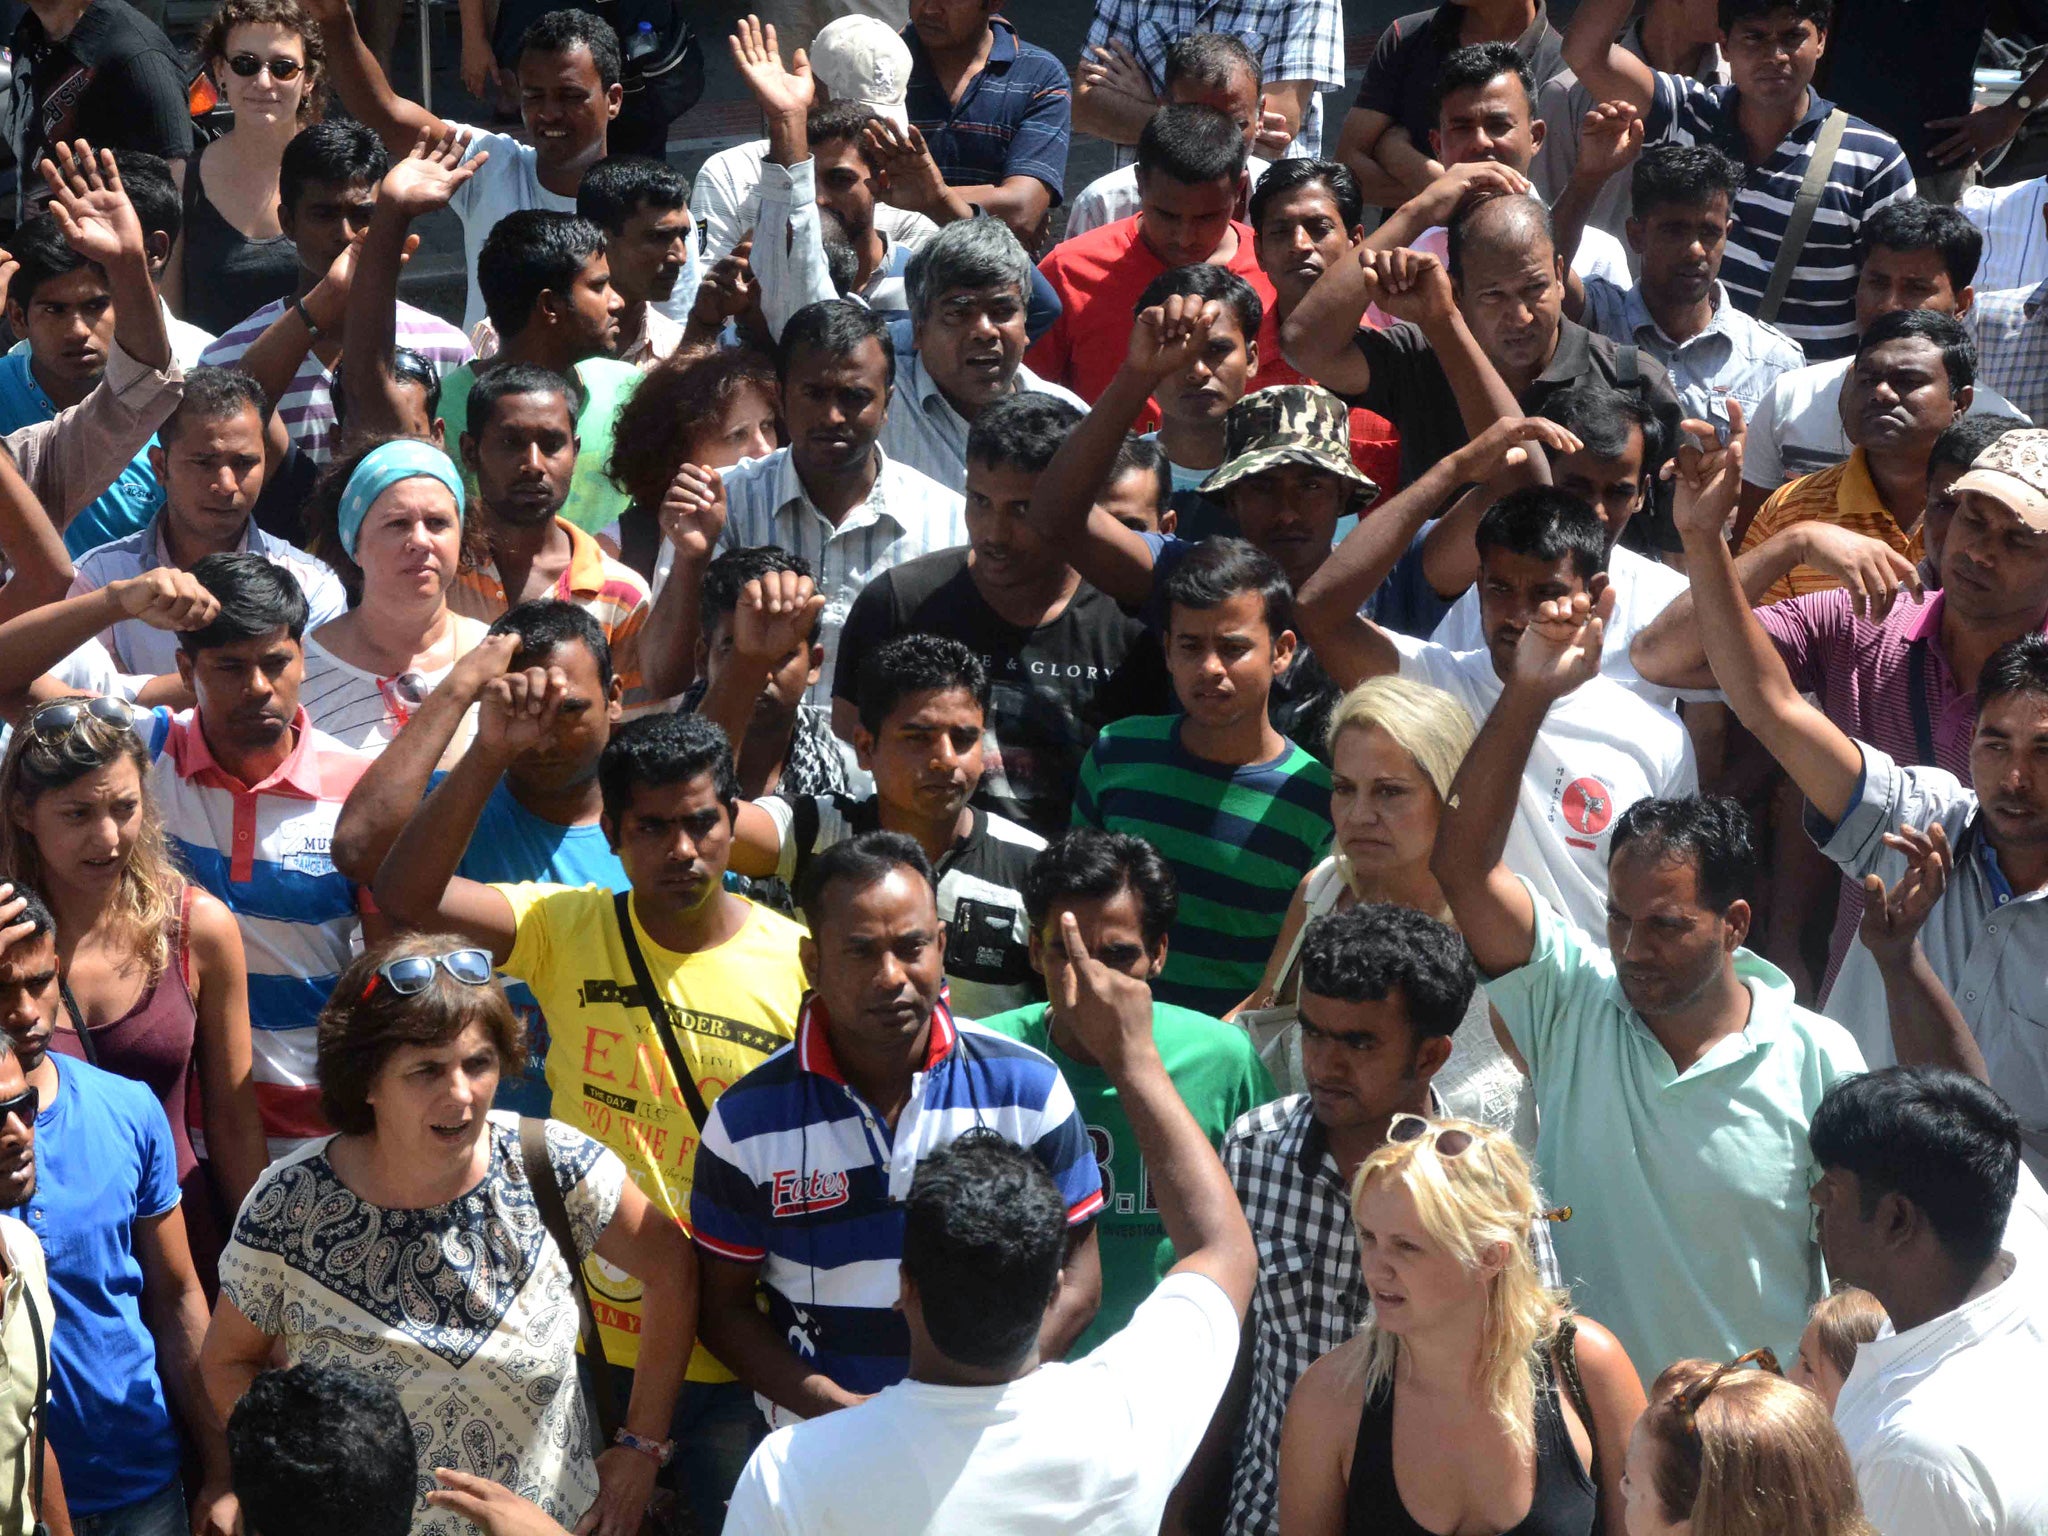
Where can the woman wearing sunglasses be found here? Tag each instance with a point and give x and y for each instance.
(1724, 1450)
(1472, 1401)
(412, 1245)
(1395, 745)
(395, 532)
(155, 986)
(233, 256)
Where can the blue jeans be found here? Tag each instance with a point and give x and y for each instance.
(161, 1514)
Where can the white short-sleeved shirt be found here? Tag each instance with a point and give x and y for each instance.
(1798, 427)
(1092, 1445)
(1643, 588)
(1601, 749)
(507, 183)
(1941, 1421)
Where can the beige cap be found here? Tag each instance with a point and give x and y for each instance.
(2013, 472)
(858, 58)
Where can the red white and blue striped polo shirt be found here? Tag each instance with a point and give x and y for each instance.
(799, 1174)
(264, 849)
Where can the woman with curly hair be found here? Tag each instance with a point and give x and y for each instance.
(709, 408)
(421, 1244)
(155, 984)
(1472, 1400)
(233, 256)
(1727, 1451)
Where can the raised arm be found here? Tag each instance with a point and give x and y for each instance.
(1824, 762)
(416, 884)
(360, 83)
(911, 177)
(34, 642)
(1440, 199)
(1670, 651)
(424, 180)
(98, 222)
(1558, 652)
(777, 613)
(1350, 646)
(1450, 557)
(1610, 139)
(1928, 1029)
(692, 518)
(393, 786)
(1112, 1015)
(1165, 340)
(1606, 69)
(789, 247)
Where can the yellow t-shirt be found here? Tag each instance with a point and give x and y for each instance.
(607, 1070)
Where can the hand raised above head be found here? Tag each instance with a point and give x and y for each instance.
(1170, 337)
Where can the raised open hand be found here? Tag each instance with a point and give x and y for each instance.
(1893, 918)
(911, 178)
(1169, 337)
(781, 92)
(91, 206)
(1610, 139)
(430, 173)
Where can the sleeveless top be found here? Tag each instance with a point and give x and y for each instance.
(153, 1042)
(228, 276)
(1564, 1504)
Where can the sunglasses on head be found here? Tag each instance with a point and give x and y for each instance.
(249, 65)
(1451, 1141)
(60, 717)
(23, 1106)
(415, 973)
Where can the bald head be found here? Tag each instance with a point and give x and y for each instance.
(1503, 261)
(1500, 226)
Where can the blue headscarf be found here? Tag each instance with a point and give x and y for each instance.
(383, 467)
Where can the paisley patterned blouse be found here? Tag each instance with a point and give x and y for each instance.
(464, 1308)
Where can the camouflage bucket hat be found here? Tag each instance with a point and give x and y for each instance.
(1288, 424)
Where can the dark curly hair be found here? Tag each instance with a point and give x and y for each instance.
(292, 17)
(660, 425)
(357, 1035)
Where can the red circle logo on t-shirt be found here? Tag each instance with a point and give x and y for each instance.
(1588, 806)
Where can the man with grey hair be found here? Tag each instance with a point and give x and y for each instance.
(968, 289)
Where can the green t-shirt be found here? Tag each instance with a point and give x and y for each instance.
(594, 503)
(1219, 1077)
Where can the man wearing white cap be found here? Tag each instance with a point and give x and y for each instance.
(855, 58)
(1983, 851)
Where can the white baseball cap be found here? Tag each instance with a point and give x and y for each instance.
(858, 58)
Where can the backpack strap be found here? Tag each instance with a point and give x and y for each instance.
(1804, 205)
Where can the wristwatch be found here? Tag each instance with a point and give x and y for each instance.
(661, 1450)
(299, 308)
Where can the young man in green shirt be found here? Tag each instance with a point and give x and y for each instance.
(1122, 896)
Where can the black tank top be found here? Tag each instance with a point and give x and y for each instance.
(1564, 1504)
(228, 276)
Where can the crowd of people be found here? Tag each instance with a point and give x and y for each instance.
(1308, 841)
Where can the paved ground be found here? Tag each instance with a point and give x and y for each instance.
(727, 115)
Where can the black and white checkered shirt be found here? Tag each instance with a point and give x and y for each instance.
(1310, 1296)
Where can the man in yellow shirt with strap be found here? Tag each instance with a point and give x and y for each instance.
(724, 971)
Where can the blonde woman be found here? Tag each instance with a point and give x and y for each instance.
(1726, 1451)
(1472, 1401)
(233, 256)
(1395, 745)
(155, 985)
(1840, 1323)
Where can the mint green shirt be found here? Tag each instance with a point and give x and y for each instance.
(1690, 1233)
(594, 503)
(1219, 1077)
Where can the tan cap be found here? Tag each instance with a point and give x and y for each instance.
(858, 58)
(2013, 472)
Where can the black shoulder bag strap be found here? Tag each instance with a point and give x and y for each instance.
(656, 1004)
(554, 1215)
(85, 1040)
(42, 1409)
(1565, 1347)
(1916, 689)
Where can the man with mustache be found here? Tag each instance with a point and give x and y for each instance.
(1911, 379)
(104, 1183)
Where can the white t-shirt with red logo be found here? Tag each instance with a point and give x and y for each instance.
(1601, 749)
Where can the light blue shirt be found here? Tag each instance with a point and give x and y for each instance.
(1736, 356)
(1690, 1235)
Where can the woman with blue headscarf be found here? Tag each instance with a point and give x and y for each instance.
(398, 528)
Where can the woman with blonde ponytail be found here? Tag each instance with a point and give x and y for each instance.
(1472, 1401)
(1726, 1451)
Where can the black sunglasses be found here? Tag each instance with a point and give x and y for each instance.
(248, 66)
(23, 1106)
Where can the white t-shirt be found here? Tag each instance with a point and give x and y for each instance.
(1941, 1422)
(506, 184)
(1798, 427)
(1643, 588)
(1599, 255)
(1601, 749)
(1094, 1445)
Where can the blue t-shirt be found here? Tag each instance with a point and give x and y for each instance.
(512, 845)
(123, 507)
(104, 1160)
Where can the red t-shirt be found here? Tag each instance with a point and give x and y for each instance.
(1099, 277)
